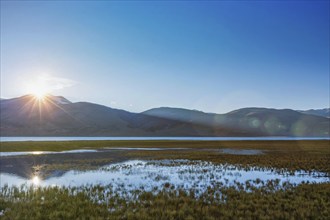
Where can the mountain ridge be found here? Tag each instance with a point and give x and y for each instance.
(325, 112)
(57, 116)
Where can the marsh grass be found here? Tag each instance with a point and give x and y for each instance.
(311, 146)
(270, 201)
(80, 165)
(307, 155)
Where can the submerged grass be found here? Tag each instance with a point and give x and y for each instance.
(80, 165)
(306, 201)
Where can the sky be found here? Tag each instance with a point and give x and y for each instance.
(213, 56)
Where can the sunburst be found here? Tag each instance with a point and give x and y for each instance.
(39, 88)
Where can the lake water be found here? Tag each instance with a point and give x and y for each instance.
(18, 153)
(105, 149)
(4, 139)
(155, 174)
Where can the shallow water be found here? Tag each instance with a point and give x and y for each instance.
(150, 175)
(241, 151)
(146, 148)
(19, 153)
(3, 139)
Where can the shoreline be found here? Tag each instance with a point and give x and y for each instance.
(95, 138)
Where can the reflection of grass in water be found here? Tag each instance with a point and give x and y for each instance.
(221, 202)
(190, 170)
(79, 165)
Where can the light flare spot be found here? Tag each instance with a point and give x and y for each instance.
(254, 122)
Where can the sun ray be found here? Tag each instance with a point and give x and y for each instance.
(40, 89)
(51, 101)
(42, 102)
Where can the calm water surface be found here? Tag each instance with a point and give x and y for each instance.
(3, 139)
(153, 174)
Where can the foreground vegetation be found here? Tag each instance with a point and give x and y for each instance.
(306, 201)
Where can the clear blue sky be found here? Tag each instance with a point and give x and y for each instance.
(211, 56)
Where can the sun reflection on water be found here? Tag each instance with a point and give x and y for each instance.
(36, 180)
(37, 152)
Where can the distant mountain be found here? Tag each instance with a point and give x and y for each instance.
(57, 116)
(261, 121)
(319, 112)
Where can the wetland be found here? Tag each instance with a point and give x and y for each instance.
(196, 179)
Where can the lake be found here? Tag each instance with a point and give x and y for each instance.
(5, 139)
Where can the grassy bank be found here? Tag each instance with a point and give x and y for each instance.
(312, 146)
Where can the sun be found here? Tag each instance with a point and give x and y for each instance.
(40, 94)
(39, 88)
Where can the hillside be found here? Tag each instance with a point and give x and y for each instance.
(57, 116)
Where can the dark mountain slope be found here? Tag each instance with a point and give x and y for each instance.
(261, 121)
(28, 116)
(57, 116)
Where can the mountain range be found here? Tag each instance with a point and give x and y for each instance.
(57, 116)
(325, 112)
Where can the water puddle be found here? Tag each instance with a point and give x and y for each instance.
(155, 174)
(134, 148)
(20, 153)
(144, 148)
(241, 152)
